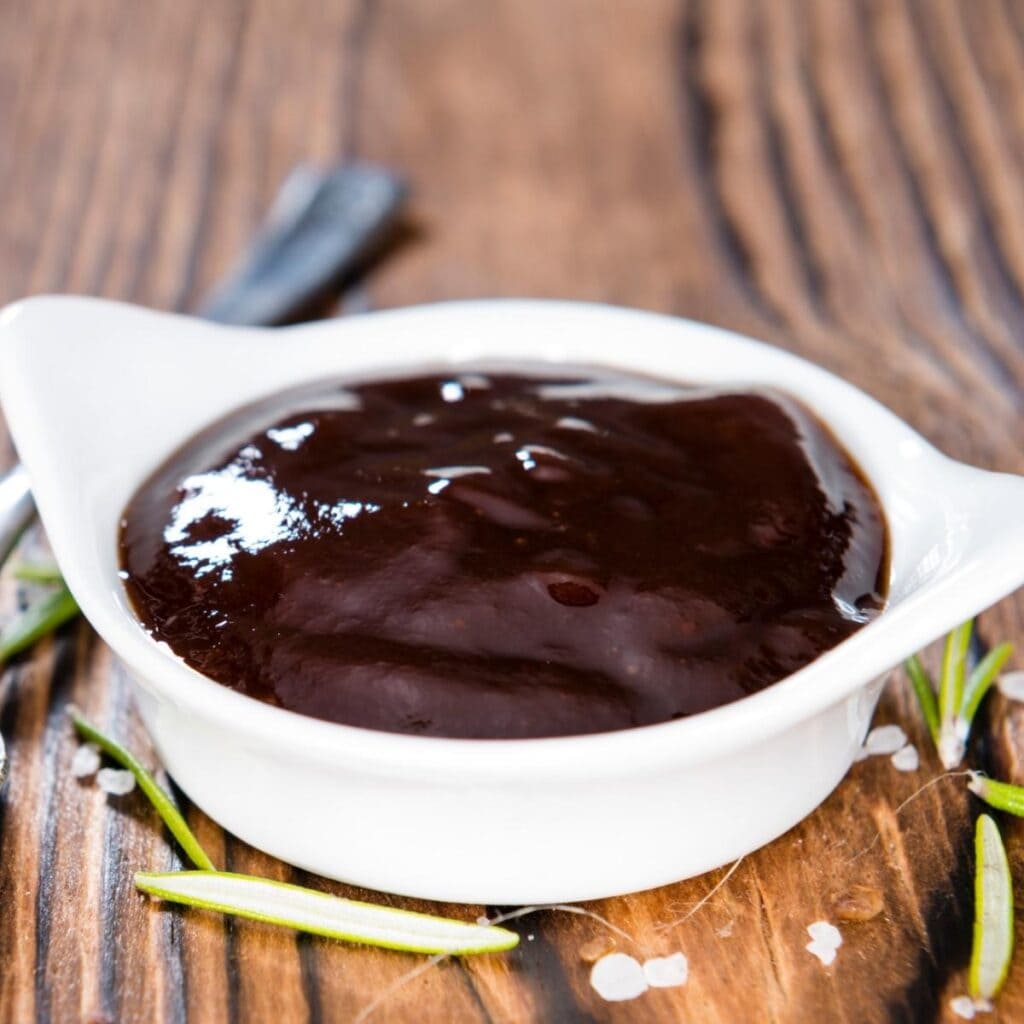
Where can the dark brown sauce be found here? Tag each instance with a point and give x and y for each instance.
(497, 555)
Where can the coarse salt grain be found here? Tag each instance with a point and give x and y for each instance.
(86, 761)
(906, 759)
(618, 977)
(825, 940)
(1011, 685)
(968, 1008)
(885, 739)
(824, 932)
(115, 781)
(667, 971)
(826, 954)
(963, 1007)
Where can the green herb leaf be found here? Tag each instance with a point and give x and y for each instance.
(954, 656)
(992, 947)
(952, 737)
(36, 621)
(1003, 796)
(322, 914)
(981, 680)
(157, 796)
(38, 572)
(925, 693)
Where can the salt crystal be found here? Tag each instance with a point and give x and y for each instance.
(666, 971)
(618, 977)
(1011, 685)
(963, 1006)
(885, 739)
(906, 759)
(826, 954)
(86, 761)
(115, 781)
(825, 940)
(725, 931)
(825, 933)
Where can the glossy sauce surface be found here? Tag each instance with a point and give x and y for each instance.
(499, 555)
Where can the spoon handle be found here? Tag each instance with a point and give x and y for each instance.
(321, 227)
(16, 508)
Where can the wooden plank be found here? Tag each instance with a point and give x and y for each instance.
(843, 179)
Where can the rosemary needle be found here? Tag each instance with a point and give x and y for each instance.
(981, 679)
(157, 796)
(951, 695)
(992, 945)
(925, 693)
(38, 572)
(1003, 796)
(949, 719)
(36, 621)
(319, 913)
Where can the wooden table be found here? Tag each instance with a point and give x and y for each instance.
(841, 178)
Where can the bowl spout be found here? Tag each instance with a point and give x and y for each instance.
(93, 388)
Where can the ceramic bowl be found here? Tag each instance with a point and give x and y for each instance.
(98, 393)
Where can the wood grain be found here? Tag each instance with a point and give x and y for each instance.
(841, 178)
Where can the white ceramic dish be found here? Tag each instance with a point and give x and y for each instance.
(97, 393)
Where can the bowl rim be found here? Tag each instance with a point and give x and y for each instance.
(901, 629)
